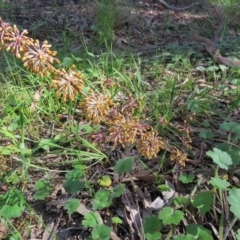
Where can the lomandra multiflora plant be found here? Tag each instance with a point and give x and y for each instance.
(121, 127)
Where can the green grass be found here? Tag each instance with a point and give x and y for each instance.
(105, 20)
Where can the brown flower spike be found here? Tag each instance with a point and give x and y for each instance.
(4, 28)
(123, 129)
(179, 157)
(96, 107)
(68, 84)
(39, 58)
(150, 144)
(16, 42)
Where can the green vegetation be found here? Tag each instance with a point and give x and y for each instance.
(111, 139)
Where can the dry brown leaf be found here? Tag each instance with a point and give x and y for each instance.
(145, 176)
(146, 200)
(50, 231)
(135, 217)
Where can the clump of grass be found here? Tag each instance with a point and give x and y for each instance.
(110, 14)
(231, 9)
(105, 20)
(233, 14)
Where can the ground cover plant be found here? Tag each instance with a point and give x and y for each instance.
(116, 124)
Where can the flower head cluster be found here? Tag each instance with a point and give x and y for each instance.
(179, 157)
(150, 144)
(68, 84)
(16, 42)
(38, 58)
(4, 29)
(96, 107)
(123, 129)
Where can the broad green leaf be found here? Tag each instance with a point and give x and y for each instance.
(12, 211)
(170, 216)
(203, 201)
(183, 237)
(78, 164)
(233, 151)
(117, 220)
(74, 174)
(153, 236)
(101, 200)
(180, 201)
(101, 232)
(233, 127)
(234, 200)
(221, 158)
(12, 204)
(163, 188)
(43, 190)
(91, 219)
(199, 232)
(212, 68)
(200, 68)
(73, 183)
(105, 181)
(223, 67)
(118, 190)
(71, 205)
(152, 224)
(73, 186)
(219, 183)
(206, 123)
(238, 234)
(186, 178)
(124, 165)
(193, 106)
(235, 81)
(207, 134)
